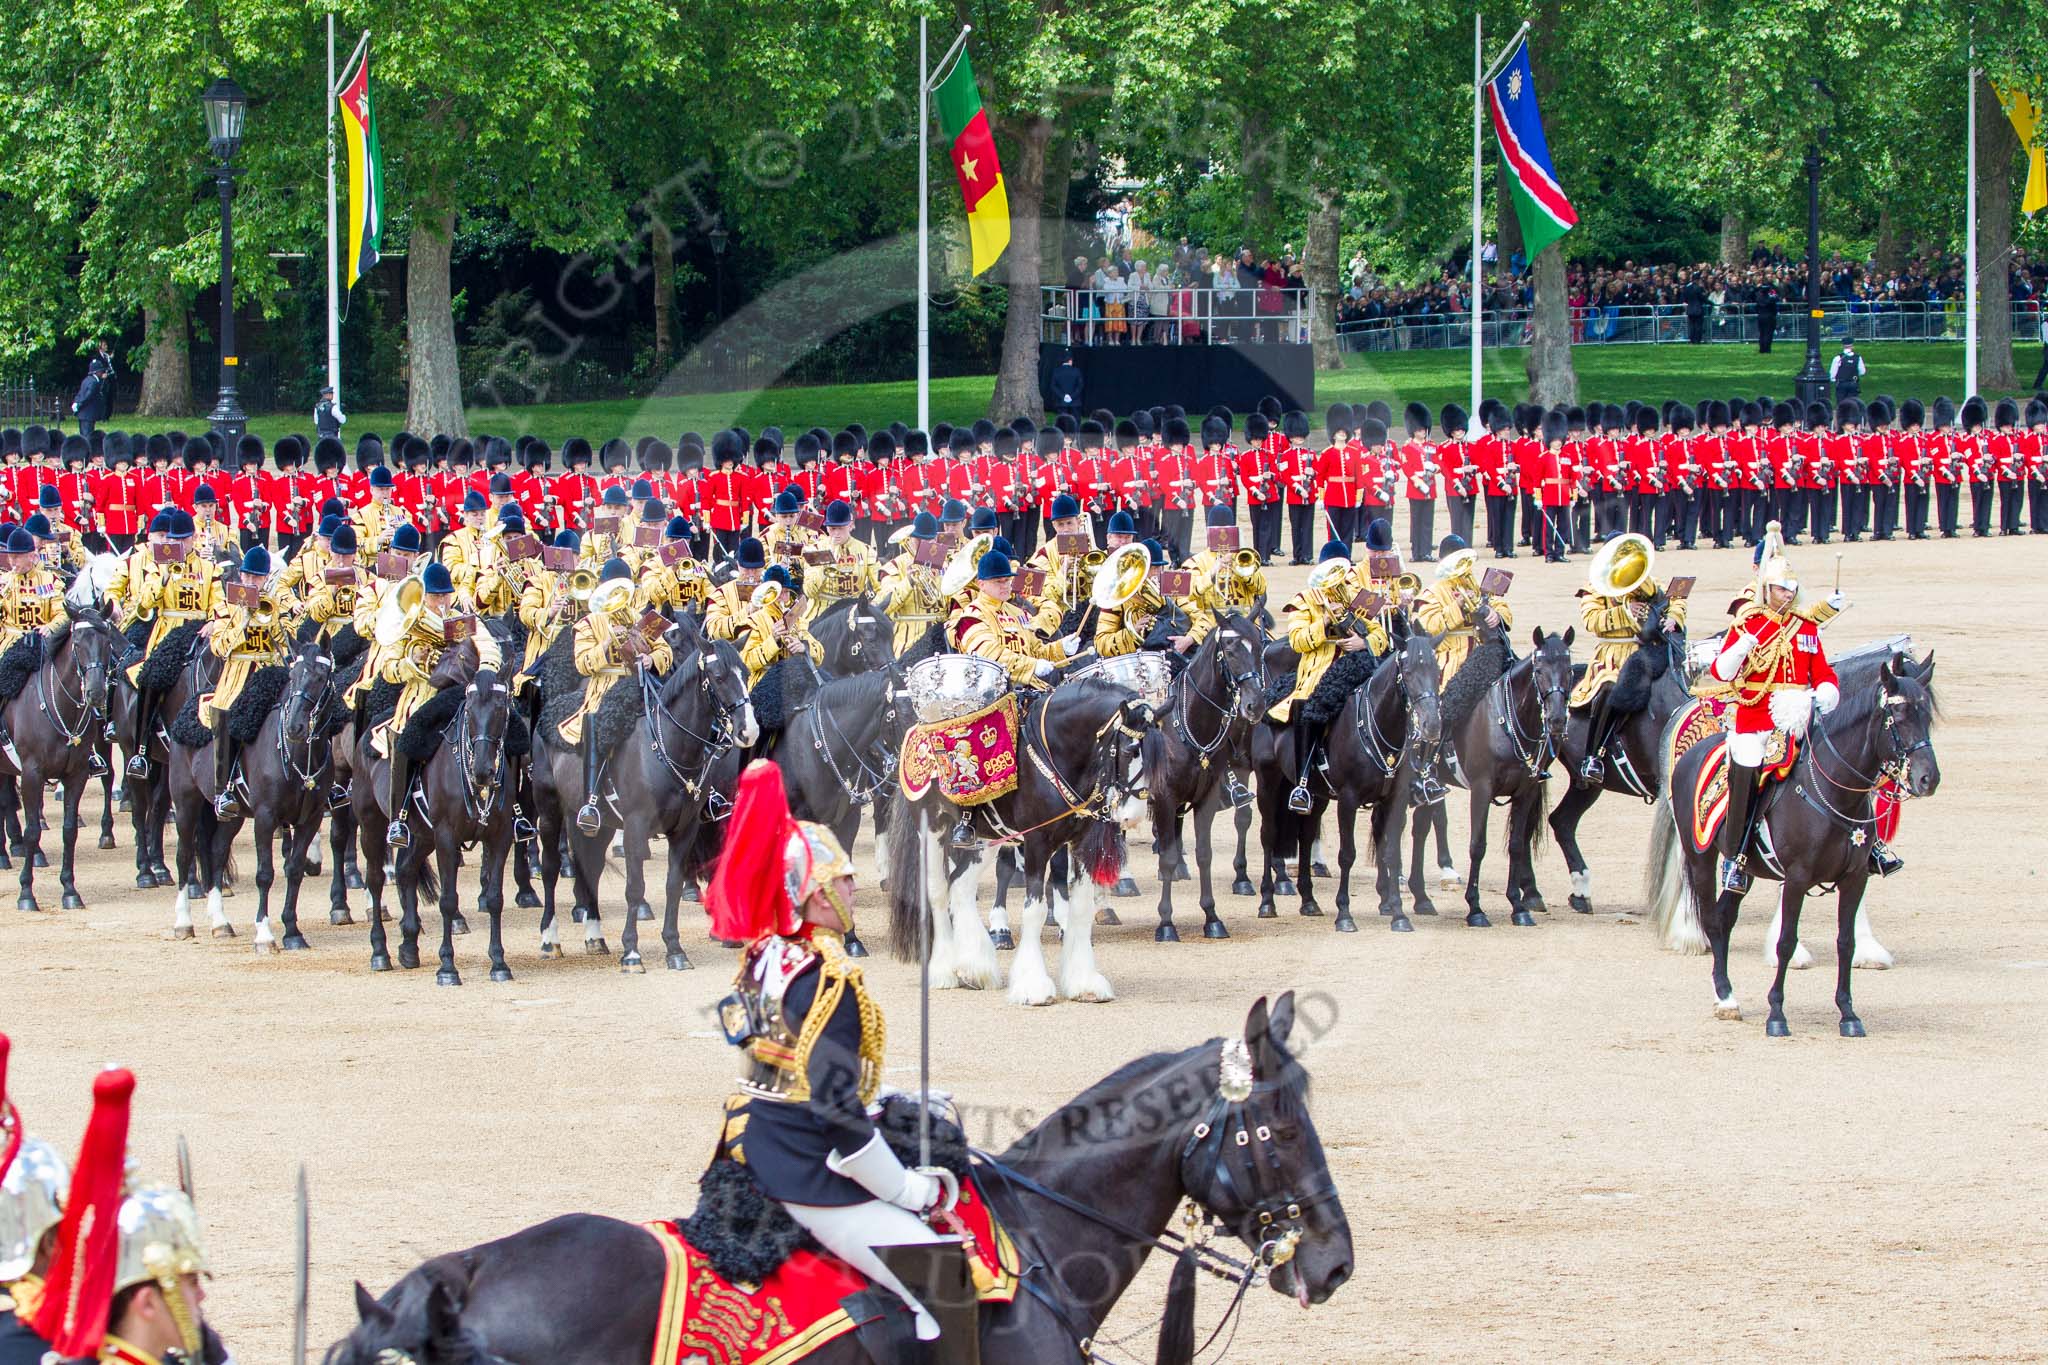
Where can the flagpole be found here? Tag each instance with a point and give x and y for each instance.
(924, 314)
(333, 253)
(1472, 425)
(1970, 232)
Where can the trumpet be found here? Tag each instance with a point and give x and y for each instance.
(1245, 563)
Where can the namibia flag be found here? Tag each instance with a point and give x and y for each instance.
(1540, 206)
(365, 172)
(974, 164)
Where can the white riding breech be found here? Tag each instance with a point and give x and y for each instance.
(852, 1232)
(1748, 751)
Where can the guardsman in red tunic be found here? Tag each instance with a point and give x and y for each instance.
(1295, 467)
(2006, 464)
(1460, 478)
(574, 490)
(1557, 477)
(2034, 464)
(1089, 477)
(1336, 474)
(1261, 483)
(1216, 465)
(1422, 479)
(1775, 674)
(1681, 478)
(1177, 493)
(1021, 488)
(1526, 456)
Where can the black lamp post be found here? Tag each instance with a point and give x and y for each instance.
(719, 237)
(225, 105)
(1811, 384)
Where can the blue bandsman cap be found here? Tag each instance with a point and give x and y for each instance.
(837, 513)
(204, 494)
(1379, 535)
(751, 554)
(406, 539)
(954, 510)
(1064, 507)
(1222, 514)
(643, 489)
(501, 483)
(614, 568)
(256, 561)
(1120, 524)
(49, 497)
(182, 526)
(677, 528)
(329, 524)
(787, 503)
(435, 578)
(20, 542)
(161, 522)
(38, 526)
(473, 501)
(615, 496)
(984, 519)
(1333, 550)
(511, 513)
(994, 564)
(926, 527)
(380, 476)
(344, 539)
(1158, 553)
(1001, 545)
(654, 509)
(567, 539)
(778, 574)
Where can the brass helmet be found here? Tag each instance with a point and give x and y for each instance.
(31, 1203)
(1121, 575)
(1773, 570)
(812, 861)
(1621, 566)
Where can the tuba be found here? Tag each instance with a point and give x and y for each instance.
(960, 569)
(399, 610)
(1621, 566)
(1121, 575)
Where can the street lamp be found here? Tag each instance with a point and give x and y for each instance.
(225, 105)
(1811, 384)
(719, 237)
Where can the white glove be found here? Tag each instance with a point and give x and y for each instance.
(1838, 599)
(875, 1169)
(1826, 697)
(1045, 668)
(1743, 645)
(1071, 644)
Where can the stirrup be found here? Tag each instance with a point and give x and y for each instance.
(397, 835)
(1237, 793)
(1883, 861)
(1593, 770)
(1298, 800)
(138, 765)
(337, 797)
(226, 802)
(588, 820)
(95, 762)
(963, 834)
(523, 828)
(1735, 877)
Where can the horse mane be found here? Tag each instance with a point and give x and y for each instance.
(854, 687)
(1861, 701)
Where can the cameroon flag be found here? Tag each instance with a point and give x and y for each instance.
(974, 162)
(365, 173)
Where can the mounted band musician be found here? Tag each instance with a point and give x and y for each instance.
(177, 587)
(1456, 608)
(609, 645)
(839, 568)
(1321, 626)
(413, 633)
(731, 601)
(909, 590)
(1621, 600)
(670, 577)
(253, 630)
(991, 626)
(813, 1039)
(1226, 578)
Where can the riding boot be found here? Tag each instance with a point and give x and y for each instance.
(145, 721)
(1735, 828)
(588, 818)
(398, 792)
(7, 745)
(1884, 862)
(1593, 768)
(1299, 801)
(225, 751)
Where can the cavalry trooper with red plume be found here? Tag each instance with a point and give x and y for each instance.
(33, 1178)
(813, 1039)
(125, 1281)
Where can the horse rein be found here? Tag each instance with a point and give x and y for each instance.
(480, 789)
(51, 697)
(861, 795)
(1182, 715)
(304, 774)
(1534, 755)
(711, 746)
(1891, 770)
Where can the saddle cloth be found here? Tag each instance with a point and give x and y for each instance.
(707, 1320)
(1700, 724)
(973, 759)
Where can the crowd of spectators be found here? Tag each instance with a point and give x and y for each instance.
(1183, 294)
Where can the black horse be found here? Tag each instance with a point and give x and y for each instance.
(1210, 708)
(1652, 687)
(1503, 752)
(1813, 829)
(587, 1290)
(1081, 783)
(56, 721)
(178, 670)
(462, 798)
(854, 636)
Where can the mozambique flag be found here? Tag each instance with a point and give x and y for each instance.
(2025, 112)
(365, 173)
(974, 163)
(1540, 206)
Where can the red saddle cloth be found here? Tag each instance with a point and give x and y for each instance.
(973, 759)
(709, 1319)
(1700, 725)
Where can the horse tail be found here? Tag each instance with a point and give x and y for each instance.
(907, 908)
(1539, 828)
(1673, 911)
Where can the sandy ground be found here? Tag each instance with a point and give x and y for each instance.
(1547, 1146)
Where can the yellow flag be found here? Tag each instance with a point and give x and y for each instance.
(2025, 113)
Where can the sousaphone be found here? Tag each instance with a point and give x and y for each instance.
(1121, 575)
(1621, 566)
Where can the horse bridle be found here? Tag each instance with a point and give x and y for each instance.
(480, 787)
(880, 773)
(1373, 739)
(1181, 717)
(1892, 770)
(51, 696)
(1534, 755)
(293, 769)
(710, 746)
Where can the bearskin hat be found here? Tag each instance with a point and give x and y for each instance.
(1091, 435)
(1339, 419)
(1372, 433)
(1269, 408)
(1176, 432)
(1294, 425)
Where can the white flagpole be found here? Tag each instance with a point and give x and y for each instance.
(1478, 189)
(1970, 233)
(333, 252)
(924, 308)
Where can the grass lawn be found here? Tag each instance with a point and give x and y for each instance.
(1607, 373)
